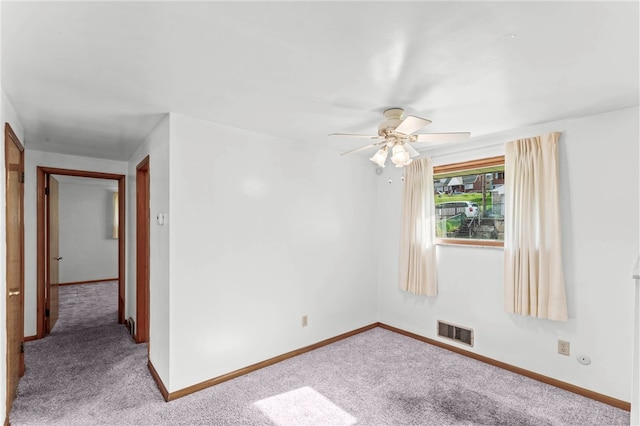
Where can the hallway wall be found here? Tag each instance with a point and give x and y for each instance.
(156, 146)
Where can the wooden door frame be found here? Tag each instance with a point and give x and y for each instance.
(9, 135)
(143, 228)
(42, 239)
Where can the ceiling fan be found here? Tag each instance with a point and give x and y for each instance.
(396, 134)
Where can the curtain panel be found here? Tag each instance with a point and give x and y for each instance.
(417, 269)
(534, 276)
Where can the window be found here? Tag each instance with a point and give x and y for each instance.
(469, 202)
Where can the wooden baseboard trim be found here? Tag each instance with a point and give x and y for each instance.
(624, 405)
(614, 402)
(30, 338)
(156, 377)
(90, 281)
(241, 372)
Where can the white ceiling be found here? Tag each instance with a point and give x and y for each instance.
(93, 79)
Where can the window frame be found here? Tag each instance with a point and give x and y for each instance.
(462, 167)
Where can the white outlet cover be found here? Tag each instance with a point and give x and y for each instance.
(564, 347)
(583, 359)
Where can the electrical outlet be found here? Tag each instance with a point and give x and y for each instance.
(305, 320)
(564, 347)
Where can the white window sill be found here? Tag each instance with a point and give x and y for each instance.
(477, 244)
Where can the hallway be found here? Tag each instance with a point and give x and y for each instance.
(87, 306)
(87, 366)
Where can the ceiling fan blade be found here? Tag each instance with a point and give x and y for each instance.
(362, 148)
(354, 135)
(411, 124)
(443, 137)
(411, 150)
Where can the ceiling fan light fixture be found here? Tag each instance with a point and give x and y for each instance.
(380, 157)
(400, 156)
(397, 134)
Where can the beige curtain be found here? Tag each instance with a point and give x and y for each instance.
(534, 279)
(417, 235)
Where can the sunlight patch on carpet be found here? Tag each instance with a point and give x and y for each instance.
(303, 406)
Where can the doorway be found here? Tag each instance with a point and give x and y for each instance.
(84, 259)
(47, 258)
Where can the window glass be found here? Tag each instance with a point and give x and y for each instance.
(469, 202)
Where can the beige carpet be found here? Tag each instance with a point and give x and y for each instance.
(93, 374)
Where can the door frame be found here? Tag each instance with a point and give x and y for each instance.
(11, 137)
(143, 228)
(42, 238)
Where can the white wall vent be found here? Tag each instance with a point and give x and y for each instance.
(455, 332)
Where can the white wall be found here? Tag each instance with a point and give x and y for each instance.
(33, 159)
(263, 231)
(88, 249)
(7, 115)
(599, 213)
(156, 146)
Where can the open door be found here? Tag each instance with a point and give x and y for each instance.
(52, 303)
(14, 173)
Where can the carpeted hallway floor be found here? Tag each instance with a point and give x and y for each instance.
(86, 306)
(90, 372)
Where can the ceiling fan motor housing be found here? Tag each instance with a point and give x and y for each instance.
(394, 118)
